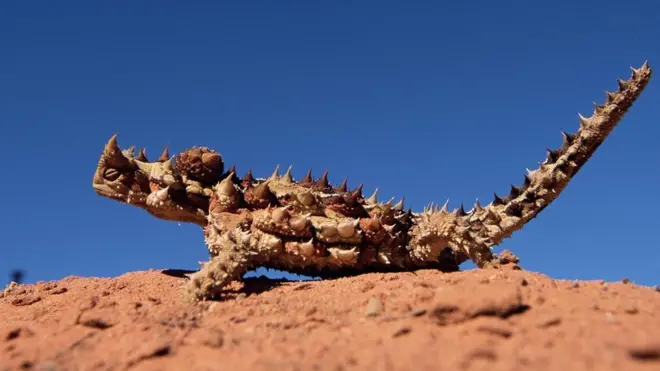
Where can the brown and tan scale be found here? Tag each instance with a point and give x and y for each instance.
(313, 228)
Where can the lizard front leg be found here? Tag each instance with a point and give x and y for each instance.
(234, 251)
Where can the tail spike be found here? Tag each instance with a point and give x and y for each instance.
(551, 155)
(598, 109)
(609, 97)
(583, 120)
(567, 139)
(623, 84)
(515, 191)
(497, 200)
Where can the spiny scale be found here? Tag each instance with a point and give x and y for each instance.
(312, 227)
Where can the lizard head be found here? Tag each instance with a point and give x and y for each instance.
(172, 188)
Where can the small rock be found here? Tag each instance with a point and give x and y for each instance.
(18, 332)
(402, 331)
(549, 322)
(496, 329)
(374, 307)
(453, 306)
(59, 291)
(25, 301)
(418, 312)
(646, 352)
(97, 323)
(367, 286)
(631, 309)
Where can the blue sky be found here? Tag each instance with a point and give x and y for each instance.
(427, 100)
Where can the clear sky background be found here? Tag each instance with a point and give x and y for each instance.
(424, 99)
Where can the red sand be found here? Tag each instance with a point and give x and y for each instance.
(480, 319)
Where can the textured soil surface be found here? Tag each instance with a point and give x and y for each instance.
(504, 319)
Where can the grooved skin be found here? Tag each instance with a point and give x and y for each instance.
(310, 227)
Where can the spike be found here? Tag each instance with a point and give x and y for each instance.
(112, 146)
(343, 187)
(307, 180)
(399, 205)
(357, 192)
(445, 206)
(515, 191)
(623, 84)
(461, 211)
(583, 120)
(165, 155)
(226, 187)
(373, 199)
(248, 179)
(497, 200)
(598, 109)
(142, 155)
(477, 206)
(162, 194)
(567, 138)
(323, 181)
(276, 173)
(609, 97)
(231, 172)
(288, 178)
(262, 191)
(552, 156)
(528, 181)
(346, 229)
(129, 152)
(280, 214)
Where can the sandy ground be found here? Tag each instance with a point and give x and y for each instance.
(506, 319)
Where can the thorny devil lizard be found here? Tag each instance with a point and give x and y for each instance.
(312, 228)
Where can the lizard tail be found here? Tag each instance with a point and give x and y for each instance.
(475, 232)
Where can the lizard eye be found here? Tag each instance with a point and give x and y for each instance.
(111, 174)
